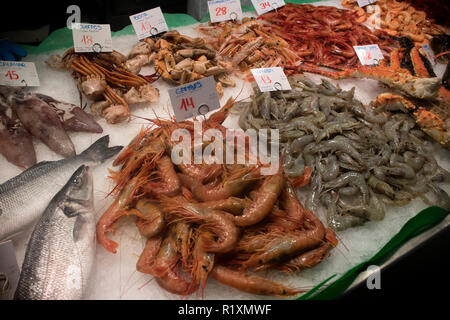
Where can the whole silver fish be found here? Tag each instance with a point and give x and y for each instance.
(60, 254)
(24, 197)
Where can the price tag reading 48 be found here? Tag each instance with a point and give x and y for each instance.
(263, 6)
(369, 55)
(91, 37)
(194, 99)
(271, 79)
(149, 23)
(223, 10)
(18, 74)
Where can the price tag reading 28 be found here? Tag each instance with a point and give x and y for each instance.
(223, 10)
(18, 74)
(91, 37)
(149, 23)
(271, 79)
(194, 98)
(263, 6)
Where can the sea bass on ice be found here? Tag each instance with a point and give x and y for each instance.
(60, 254)
(24, 197)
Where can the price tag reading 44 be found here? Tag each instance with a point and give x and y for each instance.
(91, 37)
(369, 55)
(18, 74)
(223, 10)
(194, 99)
(271, 79)
(149, 23)
(263, 6)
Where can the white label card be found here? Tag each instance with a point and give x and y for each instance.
(18, 74)
(369, 55)
(363, 3)
(89, 37)
(194, 98)
(271, 79)
(263, 6)
(149, 23)
(223, 10)
(429, 53)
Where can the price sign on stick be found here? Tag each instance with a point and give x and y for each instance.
(363, 3)
(271, 79)
(149, 23)
(429, 53)
(223, 10)
(194, 98)
(263, 6)
(91, 37)
(369, 55)
(18, 74)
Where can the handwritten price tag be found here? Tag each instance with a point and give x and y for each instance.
(223, 10)
(271, 79)
(369, 55)
(149, 23)
(194, 99)
(429, 53)
(91, 37)
(363, 3)
(18, 74)
(263, 6)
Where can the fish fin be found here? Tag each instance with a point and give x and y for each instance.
(80, 222)
(99, 151)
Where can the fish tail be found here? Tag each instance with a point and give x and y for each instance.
(99, 151)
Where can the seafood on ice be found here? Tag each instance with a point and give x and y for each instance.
(356, 159)
(23, 115)
(226, 221)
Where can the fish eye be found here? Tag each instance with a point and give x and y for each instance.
(77, 181)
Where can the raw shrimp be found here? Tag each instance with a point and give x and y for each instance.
(232, 205)
(169, 184)
(353, 178)
(151, 219)
(148, 255)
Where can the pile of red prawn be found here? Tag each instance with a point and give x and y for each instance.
(223, 221)
(324, 35)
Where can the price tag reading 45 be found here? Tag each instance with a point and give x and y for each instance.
(194, 99)
(271, 79)
(18, 74)
(263, 6)
(149, 23)
(91, 37)
(223, 10)
(369, 55)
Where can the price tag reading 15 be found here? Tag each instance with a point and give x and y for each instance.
(271, 79)
(194, 98)
(223, 10)
(149, 23)
(263, 6)
(18, 74)
(91, 37)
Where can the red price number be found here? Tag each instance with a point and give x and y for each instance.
(366, 55)
(87, 40)
(145, 26)
(264, 5)
(187, 102)
(266, 79)
(12, 75)
(221, 11)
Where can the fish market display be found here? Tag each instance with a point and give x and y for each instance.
(105, 79)
(398, 18)
(324, 35)
(181, 59)
(248, 45)
(60, 253)
(358, 159)
(23, 115)
(24, 197)
(212, 220)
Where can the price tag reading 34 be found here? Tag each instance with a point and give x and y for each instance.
(263, 6)
(18, 74)
(271, 79)
(223, 10)
(369, 55)
(149, 23)
(91, 37)
(194, 99)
